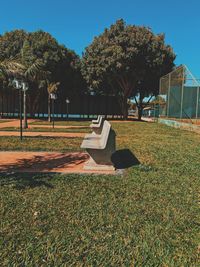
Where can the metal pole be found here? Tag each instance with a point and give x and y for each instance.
(53, 112)
(168, 105)
(182, 92)
(67, 111)
(20, 112)
(25, 115)
(197, 105)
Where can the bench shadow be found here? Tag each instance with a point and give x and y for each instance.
(123, 159)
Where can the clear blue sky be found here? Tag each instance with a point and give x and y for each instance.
(74, 23)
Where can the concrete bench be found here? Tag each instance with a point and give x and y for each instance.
(97, 127)
(100, 149)
(97, 120)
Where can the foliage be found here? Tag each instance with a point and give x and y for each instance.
(127, 60)
(42, 59)
(52, 87)
(158, 100)
(147, 217)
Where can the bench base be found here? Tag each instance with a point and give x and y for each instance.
(91, 165)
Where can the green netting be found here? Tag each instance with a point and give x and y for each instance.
(181, 93)
(189, 102)
(174, 102)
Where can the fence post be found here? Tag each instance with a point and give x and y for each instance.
(182, 93)
(197, 105)
(168, 100)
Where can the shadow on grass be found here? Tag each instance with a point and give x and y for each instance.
(124, 158)
(25, 180)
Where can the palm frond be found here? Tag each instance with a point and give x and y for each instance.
(53, 87)
(12, 68)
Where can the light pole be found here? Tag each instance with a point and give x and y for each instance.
(18, 85)
(67, 102)
(24, 89)
(53, 98)
(21, 86)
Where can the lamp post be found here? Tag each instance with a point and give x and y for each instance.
(21, 86)
(24, 89)
(18, 85)
(53, 98)
(67, 102)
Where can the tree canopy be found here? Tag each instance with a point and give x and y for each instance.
(40, 60)
(127, 60)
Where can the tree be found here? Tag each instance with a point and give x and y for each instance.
(128, 61)
(42, 59)
(52, 88)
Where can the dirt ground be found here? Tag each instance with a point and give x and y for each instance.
(44, 134)
(34, 162)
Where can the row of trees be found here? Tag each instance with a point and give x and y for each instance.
(125, 60)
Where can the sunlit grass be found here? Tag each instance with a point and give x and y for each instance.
(50, 129)
(147, 217)
(40, 144)
(63, 123)
(2, 121)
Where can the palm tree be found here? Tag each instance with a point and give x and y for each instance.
(12, 68)
(52, 88)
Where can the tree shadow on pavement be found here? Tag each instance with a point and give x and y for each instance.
(25, 170)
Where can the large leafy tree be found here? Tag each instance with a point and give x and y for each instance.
(41, 61)
(128, 61)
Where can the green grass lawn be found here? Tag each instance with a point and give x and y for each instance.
(147, 217)
(62, 123)
(40, 144)
(1, 121)
(42, 129)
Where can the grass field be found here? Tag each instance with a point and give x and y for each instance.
(147, 217)
(40, 144)
(63, 123)
(1, 121)
(42, 129)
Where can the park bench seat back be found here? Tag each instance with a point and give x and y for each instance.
(105, 134)
(97, 120)
(100, 148)
(97, 127)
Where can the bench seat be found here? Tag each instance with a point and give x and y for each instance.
(100, 148)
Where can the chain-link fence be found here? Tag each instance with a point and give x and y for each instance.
(179, 96)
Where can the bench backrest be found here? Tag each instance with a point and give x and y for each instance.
(105, 134)
(99, 124)
(97, 120)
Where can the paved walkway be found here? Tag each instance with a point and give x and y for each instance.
(45, 162)
(44, 134)
(10, 123)
(16, 124)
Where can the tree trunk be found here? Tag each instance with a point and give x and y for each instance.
(140, 109)
(33, 101)
(49, 108)
(124, 108)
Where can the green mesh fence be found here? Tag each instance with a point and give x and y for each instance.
(180, 95)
